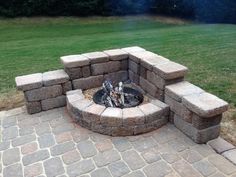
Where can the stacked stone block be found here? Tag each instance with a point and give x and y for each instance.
(153, 72)
(196, 113)
(89, 70)
(116, 121)
(44, 91)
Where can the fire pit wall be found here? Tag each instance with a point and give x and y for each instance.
(195, 112)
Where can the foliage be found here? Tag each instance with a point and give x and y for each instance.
(202, 10)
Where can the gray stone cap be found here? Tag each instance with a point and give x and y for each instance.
(184, 88)
(74, 95)
(170, 70)
(149, 109)
(95, 109)
(29, 82)
(55, 77)
(96, 57)
(133, 112)
(116, 54)
(133, 49)
(147, 58)
(112, 113)
(73, 61)
(220, 145)
(205, 104)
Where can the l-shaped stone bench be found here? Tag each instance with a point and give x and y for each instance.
(195, 112)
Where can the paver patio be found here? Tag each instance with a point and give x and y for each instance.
(51, 144)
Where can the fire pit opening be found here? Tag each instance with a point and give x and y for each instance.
(119, 96)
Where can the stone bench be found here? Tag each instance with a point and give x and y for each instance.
(44, 91)
(194, 111)
(116, 121)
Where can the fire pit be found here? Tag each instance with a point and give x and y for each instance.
(119, 97)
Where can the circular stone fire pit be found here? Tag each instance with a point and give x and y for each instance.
(94, 115)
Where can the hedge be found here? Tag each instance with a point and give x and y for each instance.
(223, 11)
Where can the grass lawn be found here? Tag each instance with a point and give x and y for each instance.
(35, 45)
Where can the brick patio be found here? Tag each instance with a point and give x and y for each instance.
(50, 144)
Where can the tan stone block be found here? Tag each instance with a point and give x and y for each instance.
(170, 70)
(97, 57)
(55, 77)
(104, 68)
(151, 111)
(205, 104)
(86, 71)
(133, 77)
(202, 122)
(52, 103)
(74, 73)
(134, 67)
(116, 77)
(116, 54)
(179, 109)
(220, 145)
(43, 93)
(122, 131)
(133, 116)
(93, 113)
(29, 82)
(88, 82)
(178, 90)
(67, 86)
(148, 87)
(112, 117)
(33, 107)
(73, 61)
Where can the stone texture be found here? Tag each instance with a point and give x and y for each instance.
(204, 167)
(9, 133)
(135, 174)
(133, 159)
(143, 72)
(202, 122)
(112, 117)
(222, 164)
(35, 157)
(104, 68)
(62, 148)
(46, 140)
(184, 169)
(86, 71)
(53, 167)
(116, 54)
(149, 87)
(116, 77)
(143, 144)
(43, 93)
(118, 169)
(230, 155)
(63, 137)
(157, 169)
(73, 61)
(52, 103)
(29, 82)
(205, 104)
(179, 109)
(124, 64)
(67, 86)
(13, 171)
(29, 148)
(133, 116)
(23, 140)
(220, 145)
(121, 144)
(74, 73)
(55, 77)
(104, 145)
(11, 156)
(133, 49)
(151, 155)
(33, 170)
(97, 57)
(191, 156)
(178, 90)
(71, 157)
(79, 168)
(170, 70)
(133, 77)
(86, 149)
(151, 111)
(8, 121)
(33, 107)
(93, 112)
(106, 157)
(102, 172)
(89, 82)
(134, 67)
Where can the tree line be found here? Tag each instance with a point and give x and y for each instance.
(220, 11)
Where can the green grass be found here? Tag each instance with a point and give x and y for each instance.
(35, 45)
